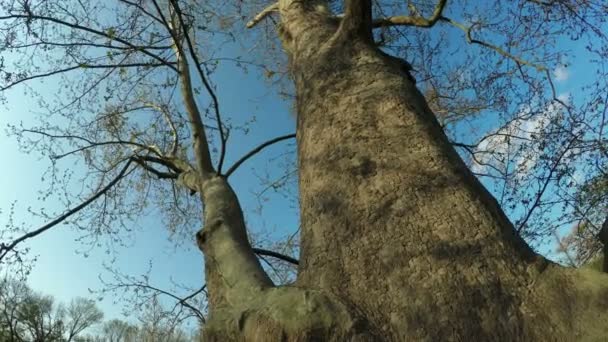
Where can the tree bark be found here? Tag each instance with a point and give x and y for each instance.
(400, 242)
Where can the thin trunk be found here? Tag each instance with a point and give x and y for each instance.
(233, 273)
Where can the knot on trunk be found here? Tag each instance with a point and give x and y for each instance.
(203, 235)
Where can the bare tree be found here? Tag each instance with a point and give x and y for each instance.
(119, 331)
(81, 314)
(41, 318)
(13, 294)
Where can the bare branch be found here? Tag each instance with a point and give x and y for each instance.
(105, 46)
(157, 173)
(256, 150)
(165, 112)
(92, 144)
(90, 30)
(200, 141)
(142, 9)
(197, 63)
(541, 191)
(471, 40)
(261, 251)
(180, 301)
(413, 20)
(262, 15)
(5, 249)
(82, 66)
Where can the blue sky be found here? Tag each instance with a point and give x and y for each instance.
(63, 273)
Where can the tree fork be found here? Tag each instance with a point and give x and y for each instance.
(244, 303)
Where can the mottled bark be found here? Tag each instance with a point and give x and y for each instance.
(400, 242)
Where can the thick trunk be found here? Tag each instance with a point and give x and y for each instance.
(391, 218)
(399, 240)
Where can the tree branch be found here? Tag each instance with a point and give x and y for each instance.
(256, 150)
(215, 101)
(200, 141)
(82, 66)
(180, 301)
(413, 20)
(165, 112)
(87, 29)
(261, 251)
(541, 191)
(157, 173)
(500, 51)
(91, 143)
(141, 9)
(263, 14)
(5, 249)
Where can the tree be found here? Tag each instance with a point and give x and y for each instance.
(119, 331)
(399, 240)
(81, 314)
(13, 294)
(41, 318)
(30, 316)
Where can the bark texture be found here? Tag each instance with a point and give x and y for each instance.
(400, 242)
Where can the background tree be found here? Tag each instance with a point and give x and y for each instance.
(31, 316)
(12, 295)
(81, 314)
(42, 318)
(395, 229)
(116, 330)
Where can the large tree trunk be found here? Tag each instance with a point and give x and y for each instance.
(400, 242)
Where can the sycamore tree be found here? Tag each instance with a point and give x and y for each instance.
(398, 238)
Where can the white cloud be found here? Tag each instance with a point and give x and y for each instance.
(561, 73)
(516, 141)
